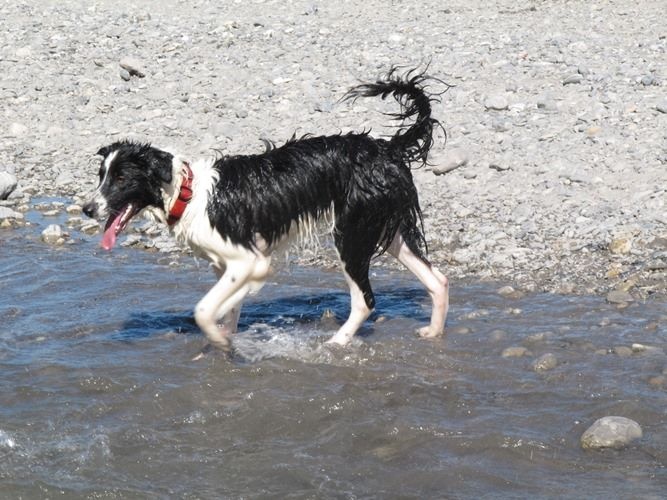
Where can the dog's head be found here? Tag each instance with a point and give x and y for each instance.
(132, 177)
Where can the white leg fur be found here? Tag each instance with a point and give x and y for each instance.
(359, 312)
(238, 279)
(435, 282)
(230, 320)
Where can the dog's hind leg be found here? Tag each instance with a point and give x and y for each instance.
(355, 251)
(359, 312)
(435, 282)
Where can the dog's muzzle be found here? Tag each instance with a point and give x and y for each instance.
(90, 209)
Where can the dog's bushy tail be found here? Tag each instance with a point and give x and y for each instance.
(414, 141)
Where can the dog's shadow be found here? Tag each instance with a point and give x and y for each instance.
(285, 312)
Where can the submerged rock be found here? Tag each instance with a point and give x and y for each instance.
(611, 432)
(514, 352)
(545, 363)
(53, 235)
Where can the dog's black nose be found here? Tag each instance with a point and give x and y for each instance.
(90, 209)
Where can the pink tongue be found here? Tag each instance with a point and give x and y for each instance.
(109, 238)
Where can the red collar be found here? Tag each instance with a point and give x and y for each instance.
(184, 196)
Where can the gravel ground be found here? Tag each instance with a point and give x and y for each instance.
(552, 174)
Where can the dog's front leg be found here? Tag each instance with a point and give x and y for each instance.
(228, 292)
(229, 320)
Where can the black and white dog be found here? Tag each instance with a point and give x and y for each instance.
(235, 210)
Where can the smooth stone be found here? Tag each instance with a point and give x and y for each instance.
(514, 352)
(545, 363)
(91, 227)
(573, 79)
(17, 129)
(620, 246)
(496, 103)
(506, 291)
(23, 52)
(611, 432)
(648, 80)
(53, 235)
(619, 297)
(459, 330)
(622, 351)
(454, 159)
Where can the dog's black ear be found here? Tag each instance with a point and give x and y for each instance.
(162, 163)
(104, 152)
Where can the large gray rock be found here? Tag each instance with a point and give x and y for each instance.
(611, 432)
(8, 184)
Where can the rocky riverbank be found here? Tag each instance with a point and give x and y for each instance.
(552, 176)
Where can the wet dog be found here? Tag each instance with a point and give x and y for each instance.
(236, 210)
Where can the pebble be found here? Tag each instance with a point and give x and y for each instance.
(499, 166)
(545, 363)
(8, 183)
(23, 52)
(648, 80)
(17, 129)
(573, 79)
(454, 159)
(459, 330)
(620, 246)
(611, 432)
(546, 103)
(133, 66)
(90, 227)
(622, 351)
(514, 352)
(53, 235)
(619, 297)
(662, 107)
(498, 335)
(506, 291)
(496, 102)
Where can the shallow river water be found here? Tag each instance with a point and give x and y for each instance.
(99, 397)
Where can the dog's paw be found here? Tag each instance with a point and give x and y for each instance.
(209, 349)
(339, 340)
(427, 332)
